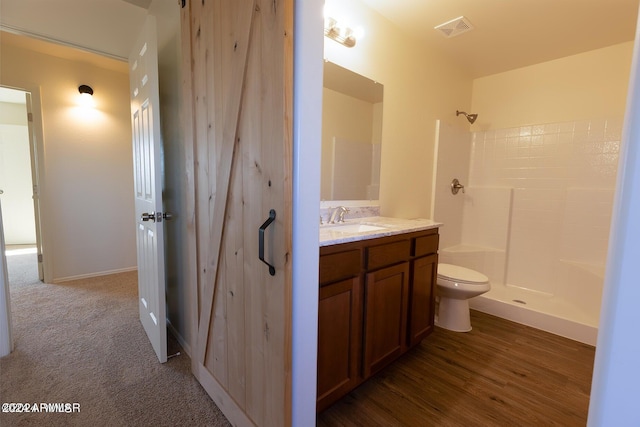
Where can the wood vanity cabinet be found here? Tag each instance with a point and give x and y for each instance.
(385, 301)
(339, 323)
(376, 301)
(385, 325)
(424, 273)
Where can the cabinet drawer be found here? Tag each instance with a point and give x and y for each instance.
(340, 265)
(388, 254)
(426, 245)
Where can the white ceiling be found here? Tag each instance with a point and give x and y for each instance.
(108, 27)
(508, 33)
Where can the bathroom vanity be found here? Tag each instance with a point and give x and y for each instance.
(377, 297)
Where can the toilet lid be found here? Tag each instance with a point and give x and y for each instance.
(461, 274)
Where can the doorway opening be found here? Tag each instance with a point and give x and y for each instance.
(19, 188)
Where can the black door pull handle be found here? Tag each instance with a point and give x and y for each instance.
(272, 217)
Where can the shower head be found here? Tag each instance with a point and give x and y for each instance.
(471, 117)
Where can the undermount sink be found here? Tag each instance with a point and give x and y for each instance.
(354, 228)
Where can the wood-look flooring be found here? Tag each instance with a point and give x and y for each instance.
(499, 374)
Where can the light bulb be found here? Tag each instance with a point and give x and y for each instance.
(86, 100)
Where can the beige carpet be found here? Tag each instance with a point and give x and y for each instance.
(81, 342)
(22, 264)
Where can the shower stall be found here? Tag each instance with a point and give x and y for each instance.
(534, 218)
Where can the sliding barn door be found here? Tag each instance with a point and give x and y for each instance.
(237, 67)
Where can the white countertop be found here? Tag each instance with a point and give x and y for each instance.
(392, 226)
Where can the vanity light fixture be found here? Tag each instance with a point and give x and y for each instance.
(344, 35)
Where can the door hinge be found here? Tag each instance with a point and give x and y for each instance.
(39, 257)
(30, 117)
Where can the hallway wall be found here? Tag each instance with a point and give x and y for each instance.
(87, 197)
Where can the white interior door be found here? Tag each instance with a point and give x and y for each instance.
(147, 160)
(6, 341)
(35, 184)
(15, 178)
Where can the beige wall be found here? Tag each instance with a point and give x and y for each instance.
(420, 87)
(579, 87)
(87, 200)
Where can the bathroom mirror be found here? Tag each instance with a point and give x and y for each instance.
(351, 135)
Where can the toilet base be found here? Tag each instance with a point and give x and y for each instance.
(453, 314)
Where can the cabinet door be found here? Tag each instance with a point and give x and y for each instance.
(386, 294)
(421, 311)
(339, 338)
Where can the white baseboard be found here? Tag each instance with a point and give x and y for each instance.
(90, 275)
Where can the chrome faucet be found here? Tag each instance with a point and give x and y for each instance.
(339, 211)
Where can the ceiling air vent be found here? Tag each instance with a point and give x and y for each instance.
(455, 27)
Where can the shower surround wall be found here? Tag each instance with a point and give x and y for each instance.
(536, 220)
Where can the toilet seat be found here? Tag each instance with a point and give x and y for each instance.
(458, 274)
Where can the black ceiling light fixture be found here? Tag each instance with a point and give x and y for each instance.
(85, 89)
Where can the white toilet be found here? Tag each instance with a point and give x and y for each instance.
(454, 287)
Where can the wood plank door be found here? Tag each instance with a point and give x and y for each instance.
(147, 163)
(237, 66)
